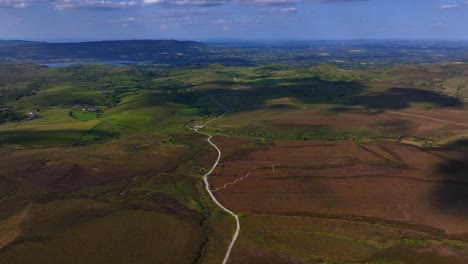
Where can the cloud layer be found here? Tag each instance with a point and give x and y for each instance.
(71, 4)
(116, 4)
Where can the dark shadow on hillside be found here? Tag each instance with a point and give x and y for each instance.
(310, 91)
(341, 109)
(401, 127)
(451, 195)
(282, 107)
(33, 138)
(461, 145)
(354, 110)
(316, 91)
(399, 98)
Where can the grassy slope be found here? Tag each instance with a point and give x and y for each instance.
(145, 170)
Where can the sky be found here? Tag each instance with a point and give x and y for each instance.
(233, 19)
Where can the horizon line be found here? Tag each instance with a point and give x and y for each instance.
(78, 40)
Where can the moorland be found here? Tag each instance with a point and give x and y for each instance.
(323, 164)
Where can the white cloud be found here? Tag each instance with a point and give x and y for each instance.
(93, 4)
(13, 4)
(125, 19)
(153, 2)
(449, 6)
(184, 2)
(249, 20)
(21, 5)
(440, 25)
(291, 9)
(288, 9)
(220, 21)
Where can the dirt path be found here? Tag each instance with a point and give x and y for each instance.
(207, 184)
(231, 183)
(428, 118)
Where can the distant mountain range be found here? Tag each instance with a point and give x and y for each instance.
(4, 43)
(361, 53)
(160, 51)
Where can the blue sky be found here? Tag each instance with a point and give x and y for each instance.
(238, 19)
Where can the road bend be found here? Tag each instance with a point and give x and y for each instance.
(208, 189)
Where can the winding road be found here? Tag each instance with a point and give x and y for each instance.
(207, 184)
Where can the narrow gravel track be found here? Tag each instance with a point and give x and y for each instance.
(231, 183)
(208, 189)
(428, 118)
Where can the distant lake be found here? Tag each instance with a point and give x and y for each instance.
(111, 63)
